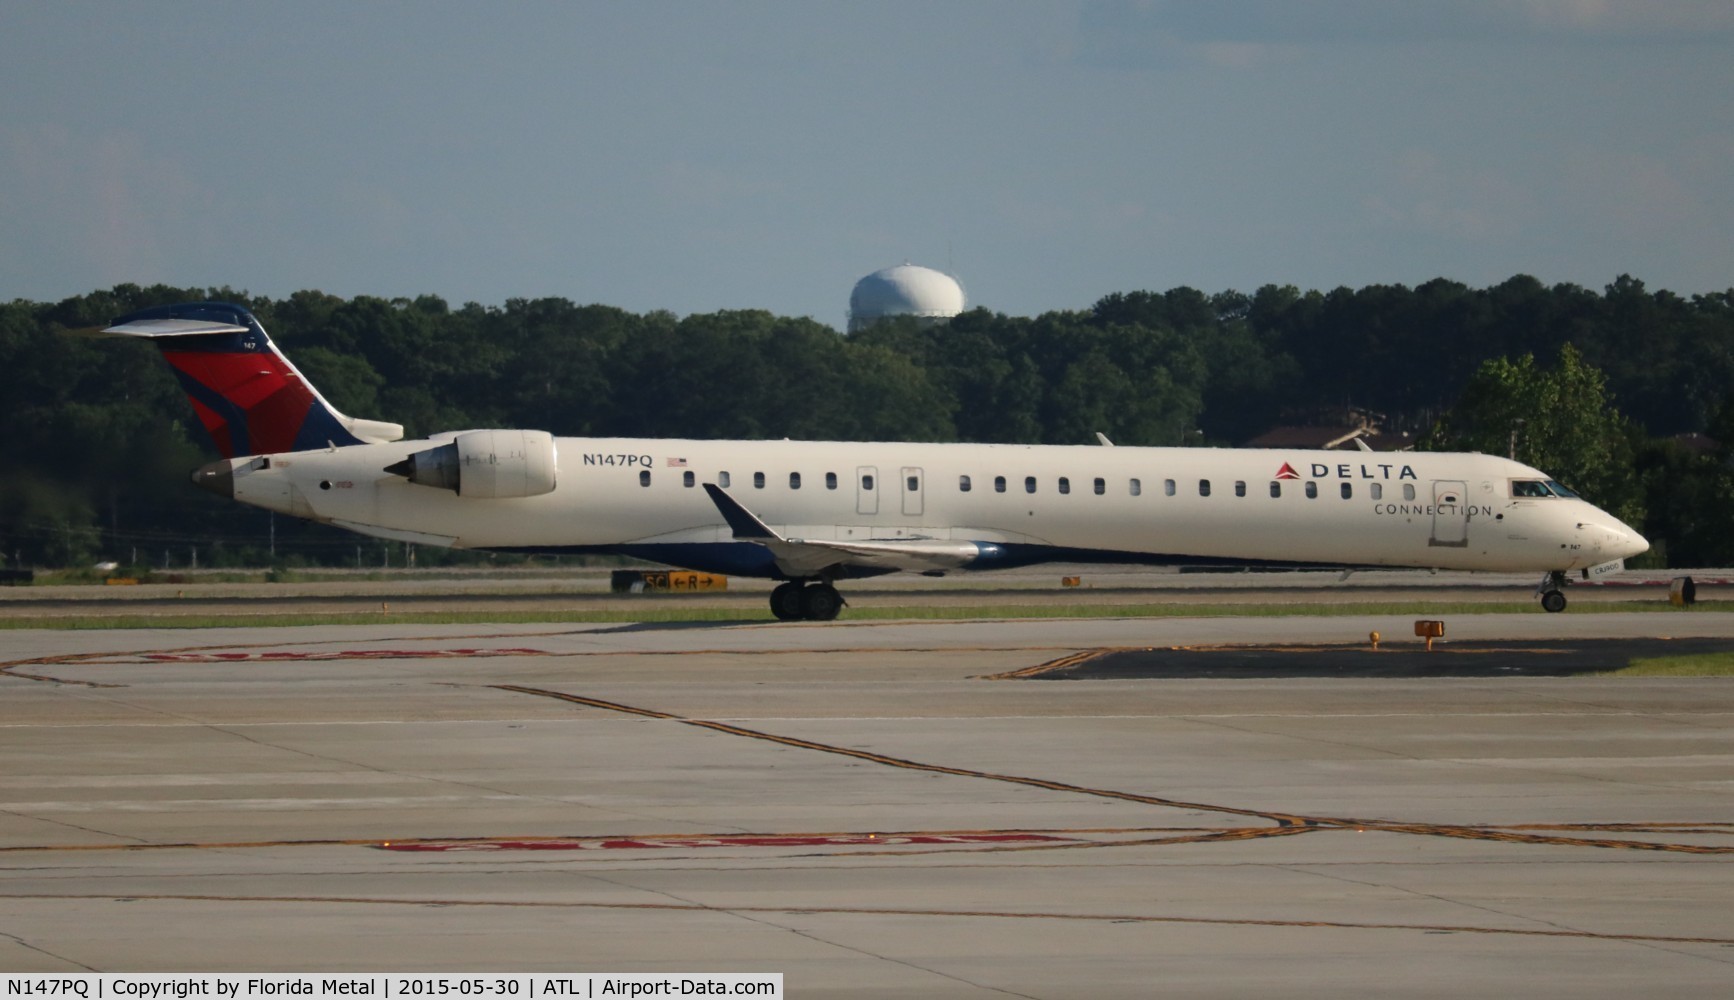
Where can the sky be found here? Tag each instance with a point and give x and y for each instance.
(695, 156)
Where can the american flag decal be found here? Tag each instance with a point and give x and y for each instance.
(677, 463)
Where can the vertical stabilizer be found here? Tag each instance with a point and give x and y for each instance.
(247, 395)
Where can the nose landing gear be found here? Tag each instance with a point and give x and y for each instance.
(798, 600)
(1552, 591)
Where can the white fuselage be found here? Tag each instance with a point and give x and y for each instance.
(1441, 510)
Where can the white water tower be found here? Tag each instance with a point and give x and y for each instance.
(905, 290)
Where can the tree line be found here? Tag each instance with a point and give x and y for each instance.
(1595, 387)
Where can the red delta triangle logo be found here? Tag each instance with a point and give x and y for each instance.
(1287, 472)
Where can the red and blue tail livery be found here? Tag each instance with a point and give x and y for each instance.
(249, 397)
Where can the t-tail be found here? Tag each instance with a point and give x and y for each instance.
(249, 397)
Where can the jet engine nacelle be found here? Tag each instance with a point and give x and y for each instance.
(487, 465)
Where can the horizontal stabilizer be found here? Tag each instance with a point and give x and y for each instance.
(170, 328)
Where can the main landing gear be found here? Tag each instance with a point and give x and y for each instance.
(797, 599)
(1552, 591)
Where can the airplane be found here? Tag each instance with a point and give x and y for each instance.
(813, 513)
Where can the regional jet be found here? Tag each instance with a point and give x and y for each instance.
(813, 513)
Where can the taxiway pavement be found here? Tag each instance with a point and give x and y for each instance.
(858, 806)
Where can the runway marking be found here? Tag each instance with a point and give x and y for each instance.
(727, 840)
(873, 911)
(347, 654)
(10, 668)
(942, 841)
(246, 653)
(1302, 822)
(1074, 835)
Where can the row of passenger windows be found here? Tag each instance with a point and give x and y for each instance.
(1099, 486)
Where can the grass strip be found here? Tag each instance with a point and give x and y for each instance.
(1692, 665)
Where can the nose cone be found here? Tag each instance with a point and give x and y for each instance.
(1623, 543)
(218, 477)
(1613, 538)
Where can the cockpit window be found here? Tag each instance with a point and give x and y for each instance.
(1540, 488)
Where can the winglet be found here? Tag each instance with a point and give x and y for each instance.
(746, 526)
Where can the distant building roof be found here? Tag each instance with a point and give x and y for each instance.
(1697, 442)
(1331, 439)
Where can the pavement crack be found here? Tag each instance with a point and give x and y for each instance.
(1339, 877)
(72, 826)
(44, 951)
(762, 918)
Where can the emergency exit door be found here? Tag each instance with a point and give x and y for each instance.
(911, 490)
(1450, 514)
(867, 489)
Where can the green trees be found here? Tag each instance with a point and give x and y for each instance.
(1559, 420)
(99, 437)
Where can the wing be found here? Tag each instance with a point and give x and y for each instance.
(797, 557)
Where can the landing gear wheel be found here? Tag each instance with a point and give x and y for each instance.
(786, 602)
(1553, 602)
(821, 602)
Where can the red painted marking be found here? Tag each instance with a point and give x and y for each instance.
(284, 656)
(745, 840)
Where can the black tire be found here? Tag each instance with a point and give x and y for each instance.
(1553, 602)
(786, 602)
(821, 603)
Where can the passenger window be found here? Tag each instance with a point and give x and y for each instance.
(722, 479)
(1065, 485)
(1239, 488)
(758, 480)
(1276, 487)
(644, 478)
(912, 484)
(867, 483)
(1408, 491)
(963, 484)
(1135, 487)
(1378, 491)
(1029, 484)
(830, 480)
(1348, 491)
(688, 480)
(794, 480)
(1101, 486)
(1204, 487)
(1312, 490)
(1168, 487)
(999, 484)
